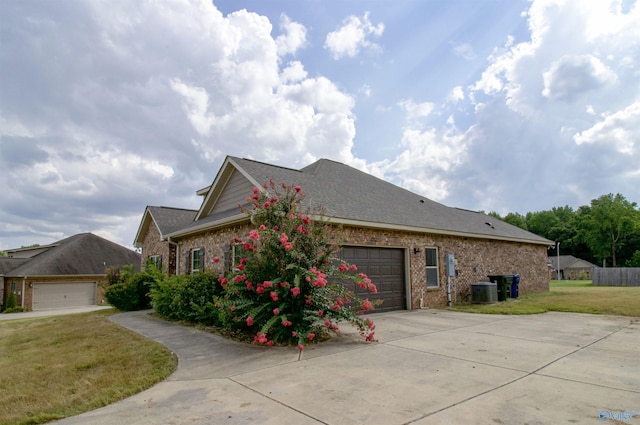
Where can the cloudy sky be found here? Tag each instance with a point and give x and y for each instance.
(496, 105)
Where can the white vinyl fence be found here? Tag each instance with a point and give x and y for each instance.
(616, 276)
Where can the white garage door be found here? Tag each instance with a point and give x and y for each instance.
(61, 295)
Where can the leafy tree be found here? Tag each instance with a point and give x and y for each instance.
(634, 261)
(516, 219)
(607, 224)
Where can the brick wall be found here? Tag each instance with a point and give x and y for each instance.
(476, 258)
(214, 244)
(152, 245)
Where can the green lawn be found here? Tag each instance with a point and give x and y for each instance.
(578, 296)
(55, 367)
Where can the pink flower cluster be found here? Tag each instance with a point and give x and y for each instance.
(365, 283)
(320, 278)
(344, 267)
(261, 338)
(284, 240)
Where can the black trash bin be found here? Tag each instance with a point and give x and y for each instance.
(514, 286)
(504, 285)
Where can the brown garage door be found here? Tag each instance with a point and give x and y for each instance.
(385, 268)
(61, 295)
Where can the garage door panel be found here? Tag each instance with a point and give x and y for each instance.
(385, 268)
(62, 295)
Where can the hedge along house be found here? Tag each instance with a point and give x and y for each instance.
(67, 273)
(398, 238)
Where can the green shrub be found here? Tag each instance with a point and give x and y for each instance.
(11, 305)
(188, 298)
(163, 295)
(11, 301)
(133, 292)
(122, 296)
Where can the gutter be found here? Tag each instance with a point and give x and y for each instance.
(236, 219)
(401, 227)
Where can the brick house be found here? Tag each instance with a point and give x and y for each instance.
(400, 239)
(66, 273)
(571, 268)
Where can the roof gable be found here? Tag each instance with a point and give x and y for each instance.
(83, 254)
(166, 220)
(234, 184)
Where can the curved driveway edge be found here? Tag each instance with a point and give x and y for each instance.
(430, 367)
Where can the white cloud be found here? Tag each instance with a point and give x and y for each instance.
(571, 76)
(353, 36)
(294, 38)
(619, 131)
(416, 110)
(456, 94)
(294, 72)
(426, 160)
(464, 50)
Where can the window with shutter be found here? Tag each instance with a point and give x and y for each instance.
(156, 260)
(197, 260)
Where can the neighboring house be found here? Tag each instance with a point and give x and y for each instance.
(400, 239)
(63, 274)
(571, 268)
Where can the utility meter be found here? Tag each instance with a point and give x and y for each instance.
(451, 265)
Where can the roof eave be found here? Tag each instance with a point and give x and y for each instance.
(57, 276)
(137, 242)
(405, 228)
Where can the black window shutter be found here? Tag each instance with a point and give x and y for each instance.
(201, 259)
(188, 268)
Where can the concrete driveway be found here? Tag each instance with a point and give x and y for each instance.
(430, 367)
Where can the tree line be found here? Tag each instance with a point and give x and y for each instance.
(605, 232)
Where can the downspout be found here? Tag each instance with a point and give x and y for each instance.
(177, 254)
(24, 281)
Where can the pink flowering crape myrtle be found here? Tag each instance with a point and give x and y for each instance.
(289, 285)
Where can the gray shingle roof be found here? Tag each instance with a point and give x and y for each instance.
(350, 194)
(7, 264)
(569, 261)
(171, 219)
(81, 254)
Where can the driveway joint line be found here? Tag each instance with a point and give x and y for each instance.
(275, 400)
(588, 383)
(535, 372)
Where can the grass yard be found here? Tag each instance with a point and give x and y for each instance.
(578, 296)
(55, 367)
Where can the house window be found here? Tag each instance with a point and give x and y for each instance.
(238, 254)
(156, 260)
(197, 260)
(432, 267)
